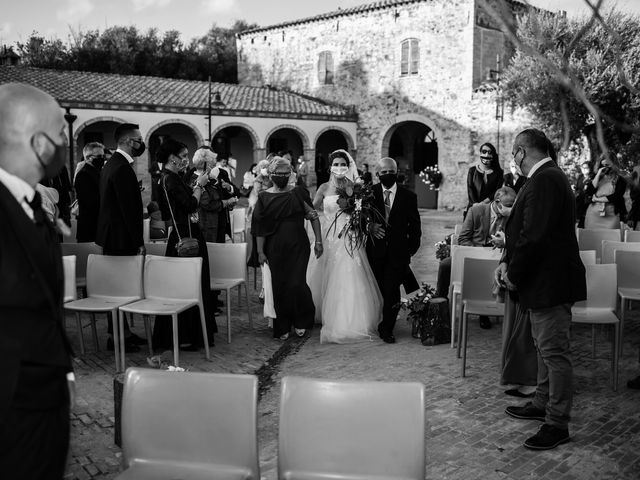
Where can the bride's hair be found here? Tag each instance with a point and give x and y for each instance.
(340, 154)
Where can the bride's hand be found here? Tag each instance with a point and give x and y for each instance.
(377, 231)
(262, 258)
(318, 249)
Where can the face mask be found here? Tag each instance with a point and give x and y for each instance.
(513, 169)
(517, 167)
(98, 163)
(213, 174)
(139, 150)
(338, 171)
(57, 160)
(263, 172)
(388, 179)
(280, 181)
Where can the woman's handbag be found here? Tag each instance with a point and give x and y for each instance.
(186, 246)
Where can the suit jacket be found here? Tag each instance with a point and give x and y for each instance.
(541, 246)
(120, 218)
(33, 345)
(517, 185)
(475, 229)
(87, 186)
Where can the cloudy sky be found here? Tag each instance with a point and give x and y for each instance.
(55, 18)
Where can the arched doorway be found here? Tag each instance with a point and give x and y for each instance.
(327, 142)
(98, 131)
(286, 139)
(414, 146)
(238, 142)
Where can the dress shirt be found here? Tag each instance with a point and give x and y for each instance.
(538, 165)
(21, 190)
(392, 197)
(126, 155)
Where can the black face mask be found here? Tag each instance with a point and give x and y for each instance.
(98, 162)
(139, 150)
(388, 179)
(280, 181)
(57, 160)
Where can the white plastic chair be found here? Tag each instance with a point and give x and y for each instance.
(156, 248)
(81, 252)
(591, 239)
(457, 229)
(477, 298)
(454, 238)
(343, 430)
(632, 236)
(628, 264)
(228, 269)
(588, 257)
(146, 230)
(608, 248)
(599, 309)
(112, 281)
(239, 223)
(70, 290)
(171, 286)
(458, 254)
(191, 425)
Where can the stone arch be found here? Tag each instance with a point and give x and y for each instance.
(405, 117)
(303, 135)
(78, 130)
(347, 136)
(173, 121)
(252, 133)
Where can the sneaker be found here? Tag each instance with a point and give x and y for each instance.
(548, 437)
(526, 412)
(300, 332)
(284, 337)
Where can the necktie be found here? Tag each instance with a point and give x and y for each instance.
(387, 204)
(36, 205)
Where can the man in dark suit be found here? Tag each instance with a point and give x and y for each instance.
(390, 251)
(120, 219)
(87, 186)
(37, 377)
(542, 267)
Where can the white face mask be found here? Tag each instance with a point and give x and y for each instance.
(263, 172)
(213, 174)
(513, 168)
(339, 171)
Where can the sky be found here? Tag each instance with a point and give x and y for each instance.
(57, 18)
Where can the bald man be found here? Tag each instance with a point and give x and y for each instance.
(36, 373)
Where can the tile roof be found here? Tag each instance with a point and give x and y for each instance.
(156, 93)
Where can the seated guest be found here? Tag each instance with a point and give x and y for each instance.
(481, 228)
(580, 191)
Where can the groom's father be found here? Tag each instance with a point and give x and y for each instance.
(391, 250)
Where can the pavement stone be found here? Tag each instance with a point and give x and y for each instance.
(468, 434)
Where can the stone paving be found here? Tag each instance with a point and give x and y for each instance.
(468, 434)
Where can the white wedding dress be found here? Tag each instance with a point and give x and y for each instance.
(345, 292)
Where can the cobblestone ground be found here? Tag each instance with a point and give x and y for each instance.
(468, 434)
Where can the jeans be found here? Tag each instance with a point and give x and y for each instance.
(550, 331)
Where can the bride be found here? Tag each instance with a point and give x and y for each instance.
(345, 292)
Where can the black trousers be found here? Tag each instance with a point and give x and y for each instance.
(389, 275)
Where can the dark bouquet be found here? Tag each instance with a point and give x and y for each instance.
(443, 248)
(431, 176)
(357, 201)
(427, 315)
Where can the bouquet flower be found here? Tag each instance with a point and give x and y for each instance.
(432, 176)
(426, 322)
(357, 201)
(443, 248)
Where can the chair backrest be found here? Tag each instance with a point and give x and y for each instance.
(239, 220)
(592, 239)
(70, 290)
(215, 424)
(457, 228)
(82, 252)
(460, 252)
(351, 429)
(115, 276)
(588, 257)
(172, 278)
(608, 247)
(601, 286)
(146, 230)
(628, 264)
(632, 236)
(156, 248)
(477, 278)
(227, 260)
(454, 239)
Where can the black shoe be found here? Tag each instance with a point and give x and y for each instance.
(128, 346)
(485, 322)
(634, 383)
(526, 412)
(548, 437)
(134, 339)
(388, 338)
(514, 392)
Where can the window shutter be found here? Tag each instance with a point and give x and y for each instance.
(329, 66)
(404, 61)
(415, 56)
(322, 67)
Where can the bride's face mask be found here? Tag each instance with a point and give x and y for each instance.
(339, 171)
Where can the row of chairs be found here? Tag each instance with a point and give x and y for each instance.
(327, 429)
(594, 239)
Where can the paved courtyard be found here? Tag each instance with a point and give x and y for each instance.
(468, 434)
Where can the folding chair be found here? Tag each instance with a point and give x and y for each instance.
(588, 257)
(228, 269)
(632, 236)
(609, 246)
(351, 430)
(146, 230)
(81, 251)
(599, 309)
(477, 298)
(171, 286)
(591, 239)
(112, 281)
(628, 277)
(239, 223)
(454, 238)
(191, 425)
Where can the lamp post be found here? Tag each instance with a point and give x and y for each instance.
(70, 118)
(217, 103)
(499, 101)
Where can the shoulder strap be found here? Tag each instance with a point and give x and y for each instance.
(164, 187)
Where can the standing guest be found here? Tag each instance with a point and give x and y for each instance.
(261, 184)
(542, 266)
(223, 164)
(633, 219)
(583, 199)
(37, 376)
(62, 184)
(87, 186)
(232, 163)
(485, 177)
(303, 170)
(607, 208)
(282, 242)
(119, 230)
(322, 170)
(512, 179)
(248, 179)
(157, 226)
(390, 254)
(179, 202)
(366, 174)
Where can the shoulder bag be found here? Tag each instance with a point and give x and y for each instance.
(186, 246)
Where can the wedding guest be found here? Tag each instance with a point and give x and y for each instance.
(282, 242)
(157, 226)
(582, 198)
(485, 177)
(607, 208)
(178, 202)
(512, 179)
(87, 187)
(248, 178)
(303, 170)
(633, 219)
(366, 174)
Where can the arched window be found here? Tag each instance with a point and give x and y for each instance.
(410, 57)
(325, 68)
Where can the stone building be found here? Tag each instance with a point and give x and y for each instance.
(419, 73)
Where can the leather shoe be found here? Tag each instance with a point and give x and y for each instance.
(526, 412)
(128, 346)
(548, 437)
(485, 322)
(514, 392)
(388, 338)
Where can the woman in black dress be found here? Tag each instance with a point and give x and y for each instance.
(282, 242)
(184, 204)
(485, 177)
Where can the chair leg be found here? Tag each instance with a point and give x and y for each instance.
(246, 294)
(94, 332)
(117, 320)
(465, 333)
(80, 335)
(623, 312)
(147, 329)
(459, 340)
(207, 354)
(616, 354)
(176, 345)
(228, 299)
